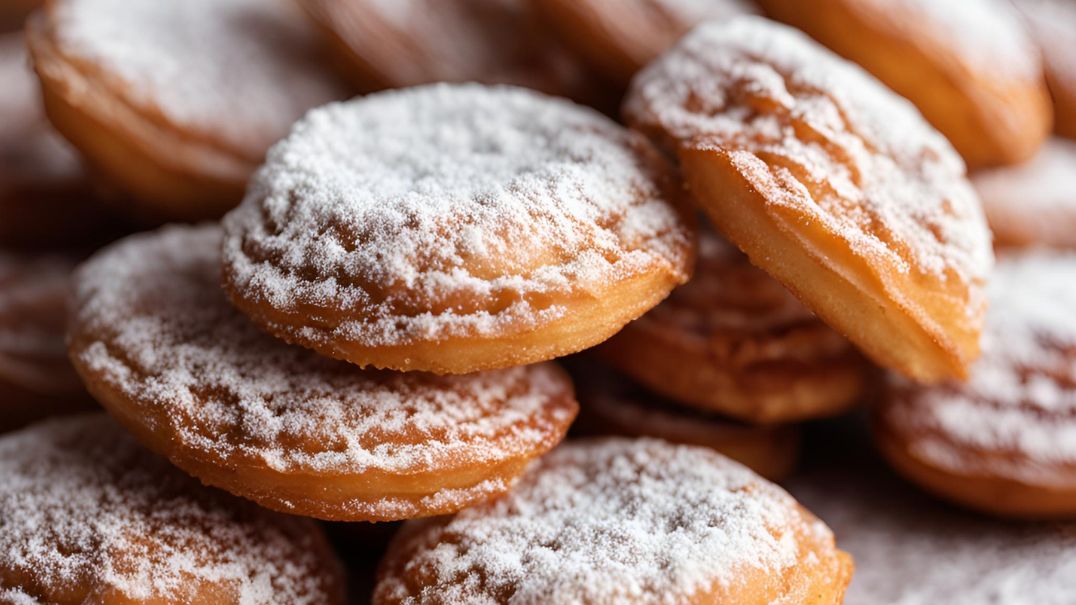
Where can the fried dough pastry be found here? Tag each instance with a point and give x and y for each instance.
(622, 521)
(45, 194)
(92, 517)
(159, 345)
(611, 404)
(912, 550)
(412, 42)
(735, 341)
(1002, 442)
(830, 183)
(456, 228)
(177, 101)
(1053, 26)
(36, 377)
(1033, 203)
(968, 65)
(619, 37)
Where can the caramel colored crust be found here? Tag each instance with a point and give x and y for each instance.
(169, 174)
(994, 495)
(991, 118)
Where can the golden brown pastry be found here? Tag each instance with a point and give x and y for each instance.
(158, 344)
(830, 183)
(92, 517)
(618, 37)
(968, 65)
(1035, 202)
(177, 101)
(612, 404)
(622, 521)
(36, 377)
(455, 228)
(735, 341)
(1002, 442)
(1053, 26)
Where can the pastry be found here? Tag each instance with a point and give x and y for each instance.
(92, 517)
(1053, 26)
(456, 228)
(735, 341)
(175, 102)
(1035, 202)
(622, 521)
(158, 344)
(968, 65)
(829, 182)
(1003, 442)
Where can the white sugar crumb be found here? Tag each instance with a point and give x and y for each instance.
(389, 208)
(876, 172)
(240, 71)
(153, 322)
(1020, 398)
(86, 508)
(613, 522)
(1036, 200)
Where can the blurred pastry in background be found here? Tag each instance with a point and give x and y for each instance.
(13, 13)
(830, 183)
(619, 37)
(1005, 441)
(734, 341)
(175, 102)
(1053, 26)
(1034, 202)
(968, 65)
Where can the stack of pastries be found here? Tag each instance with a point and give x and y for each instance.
(326, 302)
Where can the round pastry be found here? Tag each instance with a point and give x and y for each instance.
(968, 65)
(91, 517)
(1053, 26)
(1033, 203)
(411, 42)
(456, 228)
(1002, 442)
(735, 341)
(610, 404)
(830, 183)
(618, 37)
(158, 344)
(912, 550)
(45, 194)
(622, 521)
(36, 377)
(177, 101)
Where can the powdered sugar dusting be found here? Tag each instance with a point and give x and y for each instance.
(1034, 202)
(823, 137)
(612, 521)
(1021, 398)
(449, 210)
(240, 71)
(151, 320)
(86, 508)
(692, 12)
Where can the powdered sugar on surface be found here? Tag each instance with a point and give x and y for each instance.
(691, 12)
(820, 136)
(449, 210)
(1034, 201)
(240, 71)
(1021, 399)
(612, 521)
(151, 321)
(85, 508)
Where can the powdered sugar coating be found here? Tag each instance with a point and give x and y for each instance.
(1016, 417)
(691, 12)
(449, 210)
(152, 323)
(1034, 202)
(781, 105)
(90, 514)
(609, 521)
(237, 71)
